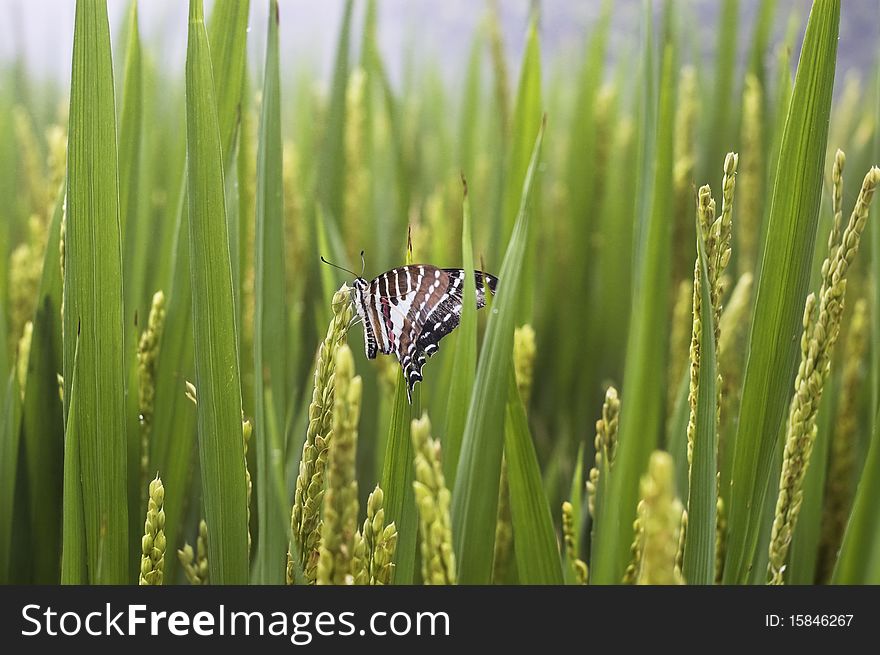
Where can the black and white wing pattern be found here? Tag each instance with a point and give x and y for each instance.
(408, 310)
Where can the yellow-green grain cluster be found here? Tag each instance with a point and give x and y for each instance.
(716, 234)
(660, 513)
(570, 540)
(679, 341)
(605, 443)
(25, 269)
(305, 521)
(821, 328)
(374, 545)
(195, 564)
(147, 357)
(844, 446)
(153, 542)
(524, 351)
(433, 500)
(340, 507)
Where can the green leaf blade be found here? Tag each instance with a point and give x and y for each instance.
(537, 557)
(93, 296)
(475, 497)
(699, 549)
(781, 286)
(465, 361)
(221, 446)
(270, 334)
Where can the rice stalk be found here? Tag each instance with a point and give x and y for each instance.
(821, 328)
(340, 505)
(305, 522)
(147, 355)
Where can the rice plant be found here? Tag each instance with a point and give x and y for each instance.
(652, 392)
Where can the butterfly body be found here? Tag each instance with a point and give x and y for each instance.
(407, 311)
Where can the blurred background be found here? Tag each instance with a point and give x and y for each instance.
(38, 31)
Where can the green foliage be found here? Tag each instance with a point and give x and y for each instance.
(221, 186)
(93, 297)
(217, 379)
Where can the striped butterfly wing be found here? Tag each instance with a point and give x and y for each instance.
(412, 308)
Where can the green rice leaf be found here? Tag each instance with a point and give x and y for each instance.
(534, 539)
(859, 559)
(93, 297)
(781, 286)
(699, 548)
(10, 438)
(130, 130)
(397, 478)
(465, 361)
(642, 408)
(42, 425)
(475, 496)
(331, 175)
(270, 334)
(174, 416)
(73, 530)
(227, 32)
(216, 350)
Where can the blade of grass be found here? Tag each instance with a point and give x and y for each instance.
(475, 498)
(130, 130)
(721, 135)
(537, 557)
(699, 548)
(174, 418)
(524, 129)
(804, 553)
(73, 547)
(93, 296)
(10, 438)
(331, 175)
(397, 477)
(216, 350)
(42, 424)
(465, 361)
(227, 34)
(781, 286)
(270, 334)
(858, 560)
(645, 369)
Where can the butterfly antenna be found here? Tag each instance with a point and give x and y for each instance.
(341, 268)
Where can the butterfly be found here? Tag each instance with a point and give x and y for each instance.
(407, 311)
